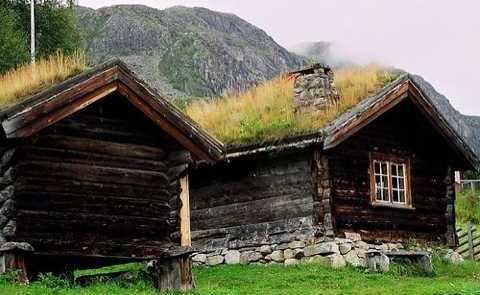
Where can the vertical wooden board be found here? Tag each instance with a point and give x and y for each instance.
(185, 236)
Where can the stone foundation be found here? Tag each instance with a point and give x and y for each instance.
(336, 252)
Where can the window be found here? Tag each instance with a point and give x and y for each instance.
(390, 180)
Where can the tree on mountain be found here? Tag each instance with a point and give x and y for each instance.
(55, 24)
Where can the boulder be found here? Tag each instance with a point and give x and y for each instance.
(277, 256)
(352, 258)
(322, 248)
(353, 236)
(265, 250)
(232, 257)
(250, 256)
(453, 257)
(378, 262)
(199, 258)
(296, 244)
(336, 260)
(288, 254)
(344, 248)
(362, 245)
(215, 260)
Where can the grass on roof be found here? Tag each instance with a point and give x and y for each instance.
(30, 79)
(265, 113)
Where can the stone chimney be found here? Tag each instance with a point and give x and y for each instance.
(314, 89)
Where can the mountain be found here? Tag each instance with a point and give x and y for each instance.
(185, 51)
(473, 122)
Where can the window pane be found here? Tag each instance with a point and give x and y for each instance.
(396, 196)
(401, 183)
(385, 194)
(377, 167)
(402, 196)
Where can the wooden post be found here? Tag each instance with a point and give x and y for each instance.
(471, 251)
(174, 273)
(185, 237)
(12, 257)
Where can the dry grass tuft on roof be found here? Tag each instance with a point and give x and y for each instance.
(265, 113)
(30, 79)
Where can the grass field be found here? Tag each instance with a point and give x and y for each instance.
(269, 280)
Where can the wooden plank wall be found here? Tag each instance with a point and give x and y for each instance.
(252, 201)
(401, 131)
(103, 182)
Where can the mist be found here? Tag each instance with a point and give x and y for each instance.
(437, 39)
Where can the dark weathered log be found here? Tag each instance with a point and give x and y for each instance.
(174, 273)
(87, 158)
(101, 147)
(92, 173)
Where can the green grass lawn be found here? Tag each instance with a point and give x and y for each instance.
(278, 280)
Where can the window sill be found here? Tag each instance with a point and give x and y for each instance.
(393, 206)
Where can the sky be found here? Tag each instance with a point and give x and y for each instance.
(438, 39)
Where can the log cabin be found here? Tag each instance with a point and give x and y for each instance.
(95, 172)
(383, 170)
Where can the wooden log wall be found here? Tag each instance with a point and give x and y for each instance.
(402, 131)
(248, 202)
(103, 182)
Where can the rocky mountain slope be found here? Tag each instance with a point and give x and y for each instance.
(185, 51)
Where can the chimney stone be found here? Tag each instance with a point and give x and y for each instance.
(314, 89)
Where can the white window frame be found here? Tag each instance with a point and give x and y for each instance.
(390, 161)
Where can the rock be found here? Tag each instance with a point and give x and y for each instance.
(298, 253)
(354, 260)
(265, 250)
(354, 237)
(282, 247)
(345, 248)
(291, 262)
(362, 245)
(453, 257)
(288, 254)
(11, 246)
(322, 248)
(336, 260)
(250, 256)
(296, 244)
(199, 258)
(378, 262)
(277, 256)
(215, 260)
(268, 258)
(232, 257)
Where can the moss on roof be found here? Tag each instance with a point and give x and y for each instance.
(29, 79)
(265, 113)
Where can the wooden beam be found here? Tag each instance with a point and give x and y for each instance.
(185, 236)
(59, 114)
